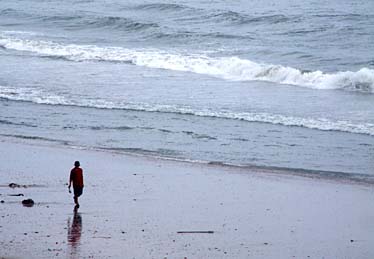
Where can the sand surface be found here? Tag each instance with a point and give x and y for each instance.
(134, 207)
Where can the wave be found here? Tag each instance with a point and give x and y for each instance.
(24, 124)
(243, 19)
(183, 35)
(160, 152)
(114, 22)
(229, 68)
(200, 15)
(94, 22)
(43, 97)
(26, 137)
(83, 21)
(163, 7)
(346, 16)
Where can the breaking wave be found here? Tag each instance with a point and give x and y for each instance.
(229, 68)
(43, 97)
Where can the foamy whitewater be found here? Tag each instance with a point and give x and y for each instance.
(286, 85)
(229, 68)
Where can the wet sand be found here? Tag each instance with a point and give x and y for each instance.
(137, 207)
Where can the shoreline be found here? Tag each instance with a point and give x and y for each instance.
(135, 206)
(323, 175)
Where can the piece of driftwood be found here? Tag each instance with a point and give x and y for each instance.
(195, 232)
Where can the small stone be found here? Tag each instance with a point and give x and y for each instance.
(266, 243)
(28, 203)
(2, 201)
(352, 240)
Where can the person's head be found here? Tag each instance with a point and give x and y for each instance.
(77, 164)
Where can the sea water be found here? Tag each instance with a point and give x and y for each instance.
(265, 84)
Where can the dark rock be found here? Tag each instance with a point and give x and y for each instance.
(352, 240)
(2, 201)
(14, 185)
(28, 203)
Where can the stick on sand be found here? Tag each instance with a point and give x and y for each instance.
(195, 232)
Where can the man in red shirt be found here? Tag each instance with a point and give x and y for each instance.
(76, 177)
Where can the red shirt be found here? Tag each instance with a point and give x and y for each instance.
(76, 176)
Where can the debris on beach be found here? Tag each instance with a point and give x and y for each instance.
(195, 232)
(16, 195)
(28, 203)
(15, 185)
(2, 201)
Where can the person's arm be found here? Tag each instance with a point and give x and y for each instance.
(70, 180)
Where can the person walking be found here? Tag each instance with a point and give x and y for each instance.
(76, 177)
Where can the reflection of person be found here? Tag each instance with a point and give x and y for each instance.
(75, 232)
(76, 177)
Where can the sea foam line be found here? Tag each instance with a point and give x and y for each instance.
(41, 96)
(229, 68)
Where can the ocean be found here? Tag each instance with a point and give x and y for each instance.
(285, 85)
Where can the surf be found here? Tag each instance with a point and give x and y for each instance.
(43, 96)
(227, 68)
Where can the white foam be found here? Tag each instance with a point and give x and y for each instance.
(27, 33)
(41, 96)
(230, 68)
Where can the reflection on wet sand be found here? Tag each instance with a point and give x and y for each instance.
(74, 234)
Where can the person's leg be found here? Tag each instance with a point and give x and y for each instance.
(77, 192)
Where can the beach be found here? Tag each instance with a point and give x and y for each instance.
(205, 129)
(134, 206)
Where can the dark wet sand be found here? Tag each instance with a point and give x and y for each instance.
(134, 207)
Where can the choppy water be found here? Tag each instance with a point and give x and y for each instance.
(271, 83)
